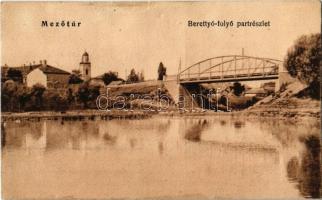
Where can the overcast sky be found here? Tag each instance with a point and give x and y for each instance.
(122, 36)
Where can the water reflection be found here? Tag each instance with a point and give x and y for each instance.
(209, 156)
(194, 132)
(307, 173)
(110, 139)
(239, 124)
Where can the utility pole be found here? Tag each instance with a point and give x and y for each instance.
(179, 70)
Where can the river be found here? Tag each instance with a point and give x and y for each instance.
(170, 157)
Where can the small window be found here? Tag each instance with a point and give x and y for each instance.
(86, 71)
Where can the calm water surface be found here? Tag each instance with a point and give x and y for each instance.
(161, 157)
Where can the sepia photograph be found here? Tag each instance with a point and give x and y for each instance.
(188, 100)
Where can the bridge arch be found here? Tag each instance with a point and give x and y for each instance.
(230, 68)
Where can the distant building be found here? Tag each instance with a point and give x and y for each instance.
(42, 73)
(269, 87)
(85, 67)
(98, 80)
(259, 92)
(115, 83)
(49, 76)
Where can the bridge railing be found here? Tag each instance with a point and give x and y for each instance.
(230, 67)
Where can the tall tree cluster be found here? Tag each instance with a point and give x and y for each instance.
(303, 62)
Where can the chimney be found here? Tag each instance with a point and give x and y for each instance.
(40, 61)
(45, 63)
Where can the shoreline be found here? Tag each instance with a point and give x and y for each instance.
(284, 114)
(74, 115)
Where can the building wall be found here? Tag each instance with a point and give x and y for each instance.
(98, 82)
(36, 76)
(57, 80)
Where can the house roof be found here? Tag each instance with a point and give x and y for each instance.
(115, 83)
(98, 77)
(26, 69)
(47, 69)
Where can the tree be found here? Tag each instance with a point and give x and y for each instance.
(133, 77)
(70, 96)
(161, 71)
(87, 93)
(109, 77)
(38, 91)
(303, 62)
(55, 100)
(8, 91)
(238, 88)
(74, 78)
(15, 75)
(76, 72)
(23, 95)
(83, 94)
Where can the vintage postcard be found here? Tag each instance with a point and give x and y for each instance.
(161, 100)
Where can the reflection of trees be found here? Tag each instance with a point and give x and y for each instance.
(156, 124)
(14, 134)
(222, 122)
(70, 134)
(292, 169)
(308, 173)
(133, 142)
(194, 133)
(160, 147)
(288, 132)
(109, 139)
(239, 124)
(3, 135)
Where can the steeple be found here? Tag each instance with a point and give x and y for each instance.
(85, 67)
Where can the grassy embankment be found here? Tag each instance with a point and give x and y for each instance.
(287, 103)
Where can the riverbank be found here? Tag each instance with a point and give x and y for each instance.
(287, 103)
(75, 115)
(288, 112)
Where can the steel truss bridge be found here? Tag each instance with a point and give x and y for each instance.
(230, 68)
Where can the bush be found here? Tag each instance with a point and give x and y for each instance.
(238, 88)
(109, 77)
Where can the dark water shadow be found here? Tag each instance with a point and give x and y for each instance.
(109, 139)
(194, 133)
(3, 135)
(239, 124)
(306, 171)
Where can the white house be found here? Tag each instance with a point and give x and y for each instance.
(36, 76)
(48, 76)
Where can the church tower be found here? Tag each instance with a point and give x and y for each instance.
(85, 67)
